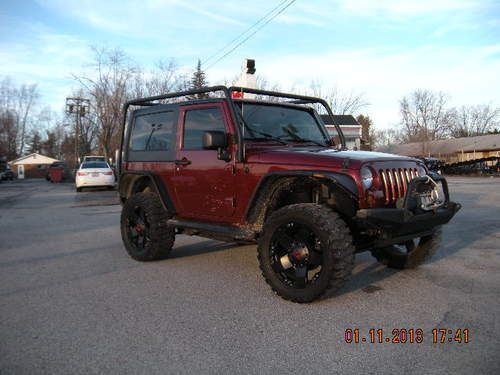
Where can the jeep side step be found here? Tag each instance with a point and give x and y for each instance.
(223, 232)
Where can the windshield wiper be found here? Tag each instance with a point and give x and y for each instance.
(297, 138)
(265, 136)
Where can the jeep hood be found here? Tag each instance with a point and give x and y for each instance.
(318, 156)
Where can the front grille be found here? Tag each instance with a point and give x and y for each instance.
(395, 182)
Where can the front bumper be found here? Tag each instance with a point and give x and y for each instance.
(387, 226)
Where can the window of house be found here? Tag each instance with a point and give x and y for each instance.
(198, 121)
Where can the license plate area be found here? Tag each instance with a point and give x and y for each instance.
(95, 174)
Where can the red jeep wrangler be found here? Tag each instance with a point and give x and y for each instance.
(268, 172)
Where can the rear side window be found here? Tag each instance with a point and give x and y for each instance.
(152, 132)
(198, 121)
(153, 137)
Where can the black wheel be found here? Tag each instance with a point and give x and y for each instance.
(78, 189)
(305, 250)
(145, 232)
(410, 254)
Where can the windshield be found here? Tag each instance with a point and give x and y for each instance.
(94, 164)
(263, 121)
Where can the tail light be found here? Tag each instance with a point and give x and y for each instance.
(82, 173)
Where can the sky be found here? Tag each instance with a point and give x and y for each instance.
(380, 49)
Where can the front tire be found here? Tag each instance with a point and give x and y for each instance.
(145, 232)
(410, 254)
(305, 250)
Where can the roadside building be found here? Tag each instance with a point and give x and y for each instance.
(32, 166)
(450, 150)
(350, 127)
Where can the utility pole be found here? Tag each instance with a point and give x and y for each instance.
(79, 107)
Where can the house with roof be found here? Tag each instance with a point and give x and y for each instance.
(451, 150)
(32, 166)
(350, 127)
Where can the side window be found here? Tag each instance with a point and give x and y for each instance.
(198, 121)
(153, 132)
(153, 137)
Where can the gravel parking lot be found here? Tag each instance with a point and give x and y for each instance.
(72, 301)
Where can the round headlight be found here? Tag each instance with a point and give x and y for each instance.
(421, 170)
(366, 177)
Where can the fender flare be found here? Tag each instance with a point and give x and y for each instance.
(129, 179)
(268, 183)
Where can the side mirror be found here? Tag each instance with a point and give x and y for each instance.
(214, 140)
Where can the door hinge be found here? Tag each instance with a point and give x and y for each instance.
(234, 202)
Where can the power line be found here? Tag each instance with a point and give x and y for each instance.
(252, 34)
(243, 33)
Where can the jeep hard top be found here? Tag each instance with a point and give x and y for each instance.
(248, 170)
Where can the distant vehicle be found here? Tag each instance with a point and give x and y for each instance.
(8, 174)
(433, 164)
(94, 174)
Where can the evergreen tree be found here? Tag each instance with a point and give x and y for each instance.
(366, 132)
(50, 145)
(36, 142)
(199, 80)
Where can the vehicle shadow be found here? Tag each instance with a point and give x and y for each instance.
(198, 248)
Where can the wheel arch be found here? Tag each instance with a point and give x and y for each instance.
(336, 190)
(135, 182)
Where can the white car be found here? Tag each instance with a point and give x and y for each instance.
(93, 174)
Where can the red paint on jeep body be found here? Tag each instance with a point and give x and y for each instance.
(213, 190)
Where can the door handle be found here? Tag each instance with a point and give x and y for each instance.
(182, 161)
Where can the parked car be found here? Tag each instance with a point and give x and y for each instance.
(94, 174)
(8, 174)
(268, 172)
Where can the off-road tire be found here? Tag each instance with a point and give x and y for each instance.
(336, 246)
(161, 235)
(422, 250)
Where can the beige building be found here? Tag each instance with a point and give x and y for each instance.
(450, 150)
(32, 166)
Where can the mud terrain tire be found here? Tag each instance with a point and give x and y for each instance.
(145, 232)
(327, 238)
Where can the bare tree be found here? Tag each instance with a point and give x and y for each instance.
(386, 138)
(27, 95)
(341, 103)
(20, 102)
(8, 135)
(474, 120)
(108, 88)
(164, 78)
(424, 116)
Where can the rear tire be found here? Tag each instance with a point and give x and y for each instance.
(411, 254)
(304, 251)
(78, 189)
(145, 232)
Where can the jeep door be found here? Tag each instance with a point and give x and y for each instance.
(204, 185)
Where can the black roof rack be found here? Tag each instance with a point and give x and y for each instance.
(295, 99)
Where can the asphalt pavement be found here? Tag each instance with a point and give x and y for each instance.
(73, 302)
